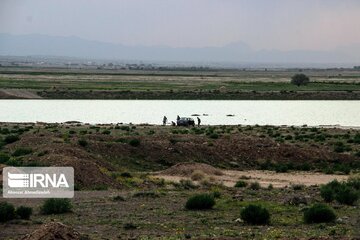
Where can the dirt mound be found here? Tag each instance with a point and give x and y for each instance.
(54, 230)
(187, 169)
(88, 168)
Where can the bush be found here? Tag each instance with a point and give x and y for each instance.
(4, 157)
(134, 142)
(150, 194)
(327, 193)
(255, 215)
(126, 175)
(56, 206)
(197, 175)
(11, 138)
(344, 193)
(241, 184)
(300, 79)
(255, 186)
(82, 142)
(118, 198)
(347, 195)
(200, 202)
(22, 151)
(7, 212)
(186, 184)
(354, 182)
(216, 194)
(214, 136)
(106, 132)
(24, 212)
(319, 213)
(281, 168)
(298, 187)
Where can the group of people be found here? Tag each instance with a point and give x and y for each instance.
(178, 118)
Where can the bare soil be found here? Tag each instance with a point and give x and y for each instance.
(230, 177)
(18, 94)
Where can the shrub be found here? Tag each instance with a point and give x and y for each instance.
(281, 168)
(22, 151)
(319, 213)
(106, 132)
(118, 198)
(200, 202)
(216, 194)
(150, 194)
(11, 138)
(241, 184)
(340, 147)
(24, 212)
(126, 175)
(4, 131)
(197, 175)
(4, 157)
(125, 128)
(134, 142)
(214, 136)
(346, 195)
(255, 186)
(82, 142)
(56, 206)
(327, 193)
(354, 182)
(255, 215)
(187, 184)
(7, 212)
(297, 187)
(130, 226)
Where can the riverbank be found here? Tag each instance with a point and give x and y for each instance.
(54, 83)
(132, 181)
(155, 148)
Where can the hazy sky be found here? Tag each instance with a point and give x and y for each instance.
(263, 24)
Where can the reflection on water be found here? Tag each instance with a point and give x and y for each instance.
(213, 112)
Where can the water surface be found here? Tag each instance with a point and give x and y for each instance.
(212, 112)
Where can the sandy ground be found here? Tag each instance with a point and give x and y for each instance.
(278, 180)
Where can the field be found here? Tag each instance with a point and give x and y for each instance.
(57, 83)
(133, 181)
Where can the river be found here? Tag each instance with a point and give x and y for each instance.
(211, 112)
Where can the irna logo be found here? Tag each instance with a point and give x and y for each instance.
(34, 180)
(38, 182)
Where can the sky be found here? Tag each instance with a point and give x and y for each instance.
(262, 24)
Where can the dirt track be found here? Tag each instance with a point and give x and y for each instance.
(278, 180)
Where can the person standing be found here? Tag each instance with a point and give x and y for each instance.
(198, 121)
(164, 120)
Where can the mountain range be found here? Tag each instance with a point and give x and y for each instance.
(239, 52)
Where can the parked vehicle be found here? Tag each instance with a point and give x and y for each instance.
(184, 121)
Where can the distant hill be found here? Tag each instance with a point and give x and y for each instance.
(37, 44)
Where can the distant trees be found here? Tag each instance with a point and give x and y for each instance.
(300, 79)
